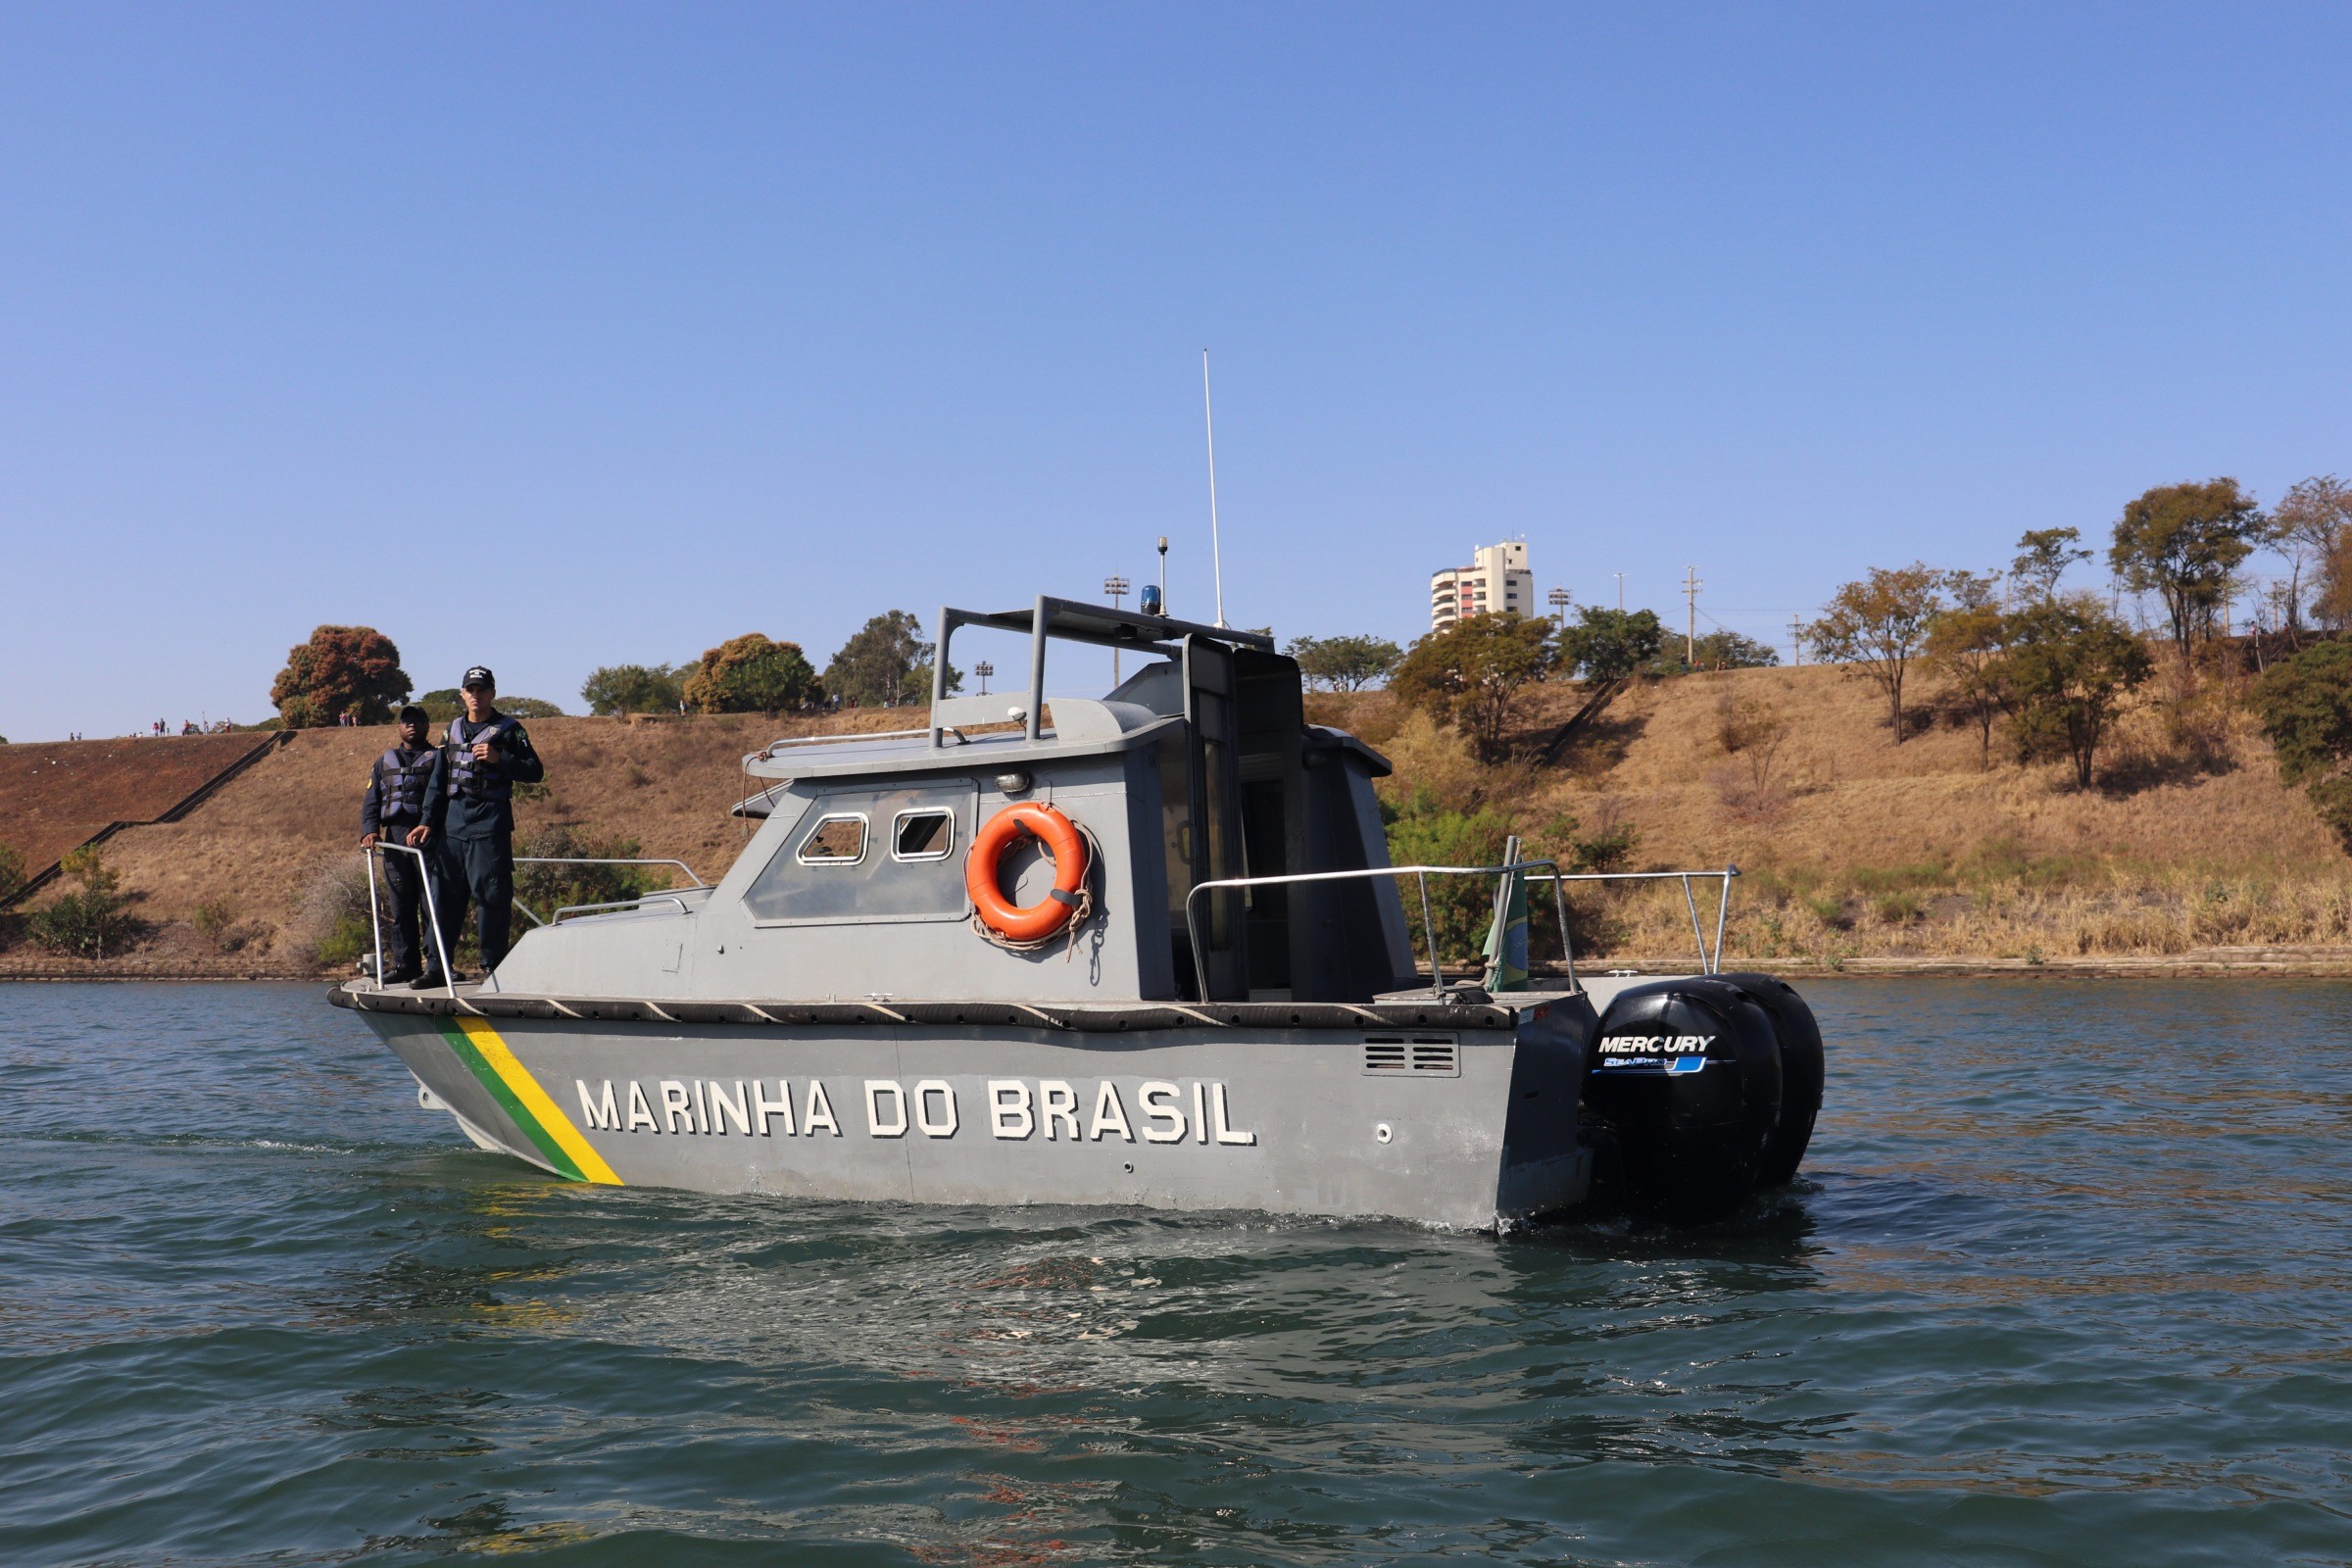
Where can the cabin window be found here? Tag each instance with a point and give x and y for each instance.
(826, 870)
(838, 840)
(923, 834)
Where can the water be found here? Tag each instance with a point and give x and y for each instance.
(2066, 1281)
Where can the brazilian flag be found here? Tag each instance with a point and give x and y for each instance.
(1506, 939)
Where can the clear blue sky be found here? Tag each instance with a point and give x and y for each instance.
(556, 336)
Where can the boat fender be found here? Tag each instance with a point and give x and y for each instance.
(1064, 843)
(1803, 1068)
(1682, 1093)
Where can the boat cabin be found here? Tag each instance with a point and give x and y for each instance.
(1199, 769)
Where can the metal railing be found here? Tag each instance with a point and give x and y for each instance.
(637, 902)
(432, 914)
(1421, 875)
(578, 860)
(772, 746)
(1709, 962)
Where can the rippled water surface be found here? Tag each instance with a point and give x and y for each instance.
(2066, 1281)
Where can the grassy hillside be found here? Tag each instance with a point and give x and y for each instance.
(56, 793)
(1854, 849)
(267, 847)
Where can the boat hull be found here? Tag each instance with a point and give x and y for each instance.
(1304, 1120)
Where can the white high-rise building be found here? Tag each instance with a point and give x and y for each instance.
(1495, 581)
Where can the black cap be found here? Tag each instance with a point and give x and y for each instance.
(413, 712)
(479, 675)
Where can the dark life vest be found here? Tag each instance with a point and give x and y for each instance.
(478, 781)
(399, 785)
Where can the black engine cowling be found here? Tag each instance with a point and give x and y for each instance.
(1684, 1093)
(1803, 1068)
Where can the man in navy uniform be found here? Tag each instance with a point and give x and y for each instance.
(399, 785)
(472, 820)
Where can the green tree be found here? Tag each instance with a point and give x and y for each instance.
(1473, 672)
(529, 708)
(2042, 556)
(1967, 645)
(1609, 644)
(1724, 649)
(752, 675)
(2305, 704)
(12, 871)
(886, 663)
(2069, 665)
(2183, 543)
(442, 704)
(1343, 663)
(1878, 625)
(2310, 528)
(634, 688)
(341, 669)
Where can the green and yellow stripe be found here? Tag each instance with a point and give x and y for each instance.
(491, 1060)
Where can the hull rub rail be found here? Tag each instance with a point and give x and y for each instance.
(1142, 1015)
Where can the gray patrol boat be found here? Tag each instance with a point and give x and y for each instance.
(1147, 950)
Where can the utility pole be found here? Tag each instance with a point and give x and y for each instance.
(1796, 639)
(1117, 588)
(1621, 593)
(1560, 602)
(1690, 587)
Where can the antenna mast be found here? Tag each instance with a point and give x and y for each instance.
(1216, 555)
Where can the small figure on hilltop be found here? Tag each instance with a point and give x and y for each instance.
(471, 819)
(399, 786)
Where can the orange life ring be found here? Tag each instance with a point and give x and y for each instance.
(1063, 840)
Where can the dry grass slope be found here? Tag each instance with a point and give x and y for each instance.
(1858, 848)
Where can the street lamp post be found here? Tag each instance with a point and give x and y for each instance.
(983, 670)
(1117, 588)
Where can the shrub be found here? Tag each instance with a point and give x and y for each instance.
(87, 923)
(546, 889)
(11, 873)
(1897, 909)
(214, 917)
(1721, 649)
(1423, 831)
(2305, 704)
(332, 922)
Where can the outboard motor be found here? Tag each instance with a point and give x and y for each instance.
(1803, 1067)
(1684, 1094)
